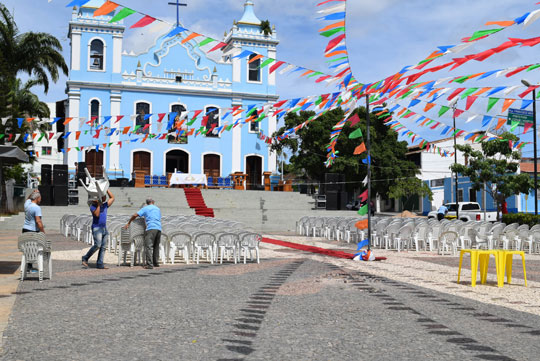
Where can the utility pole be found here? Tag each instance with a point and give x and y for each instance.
(368, 146)
(454, 106)
(527, 84)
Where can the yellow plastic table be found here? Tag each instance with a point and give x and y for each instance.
(481, 257)
(505, 260)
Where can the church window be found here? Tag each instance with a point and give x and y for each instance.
(96, 55)
(254, 126)
(94, 112)
(212, 121)
(254, 73)
(179, 127)
(142, 110)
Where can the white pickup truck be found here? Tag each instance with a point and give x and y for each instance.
(468, 211)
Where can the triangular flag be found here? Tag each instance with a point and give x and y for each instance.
(363, 211)
(122, 14)
(363, 196)
(356, 134)
(443, 110)
(106, 8)
(146, 20)
(360, 149)
(492, 102)
(527, 127)
(470, 101)
(507, 104)
(354, 120)
(363, 224)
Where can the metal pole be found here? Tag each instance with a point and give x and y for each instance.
(177, 12)
(535, 157)
(455, 159)
(368, 146)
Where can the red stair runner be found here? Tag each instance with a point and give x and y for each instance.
(196, 201)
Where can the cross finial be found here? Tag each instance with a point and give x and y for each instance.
(177, 4)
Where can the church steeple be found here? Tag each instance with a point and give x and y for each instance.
(249, 17)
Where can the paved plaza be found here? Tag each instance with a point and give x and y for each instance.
(291, 306)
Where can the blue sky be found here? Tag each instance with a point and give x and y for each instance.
(383, 36)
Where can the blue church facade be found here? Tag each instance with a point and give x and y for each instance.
(173, 76)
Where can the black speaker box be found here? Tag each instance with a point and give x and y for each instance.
(46, 192)
(46, 174)
(81, 166)
(343, 198)
(303, 188)
(332, 201)
(60, 175)
(60, 195)
(333, 182)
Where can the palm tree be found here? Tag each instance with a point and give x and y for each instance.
(36, 54)
(266, 28)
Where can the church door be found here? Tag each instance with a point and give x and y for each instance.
(177, 159)
(254, 172)
(141, 162)
(94, 163)
(212, 165)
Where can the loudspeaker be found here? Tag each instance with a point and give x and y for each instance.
(60, 175)
(303, 188)
(73, 201)
(46, 174)
(332, 201)
(333, 182)
(343, 197)
(61, 195)
(46, 192)
(80, 167)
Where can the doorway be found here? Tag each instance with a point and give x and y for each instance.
(142, 162)
(177, 159)
(254, 172)
(212, 166)
(94, 163)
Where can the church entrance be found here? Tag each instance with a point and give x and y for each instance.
(94, 163)
(212, 166)
(254, 172)
(142, 162)
(177, 159)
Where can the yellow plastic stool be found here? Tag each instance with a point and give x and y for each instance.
(506, 258)
(481, 257)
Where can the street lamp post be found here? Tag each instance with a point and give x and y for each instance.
(454, 106)
(527, 84)
(368, 146)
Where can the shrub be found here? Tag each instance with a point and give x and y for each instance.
(521, 218)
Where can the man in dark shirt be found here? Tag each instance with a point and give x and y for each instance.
(99, 209)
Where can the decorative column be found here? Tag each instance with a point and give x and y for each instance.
(117, 52)
(114, 150)
(74, 99)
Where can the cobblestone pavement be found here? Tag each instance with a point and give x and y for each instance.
(281, 309)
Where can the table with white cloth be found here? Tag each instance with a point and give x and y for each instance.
(188, 179)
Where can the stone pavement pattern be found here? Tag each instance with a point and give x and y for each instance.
(302, 308)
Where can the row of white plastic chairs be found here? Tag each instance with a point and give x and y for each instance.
(188, 237)
(428, 234)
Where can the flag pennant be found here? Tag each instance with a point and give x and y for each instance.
(356, 134)
(527, 127)
(106, 8)
(145, 21)
(363, 211)
(77, 3)
(492, 102)
(360, 149)
(176, 31)
(363, 196)
(525, 103)
(122, 14)
(507, 104)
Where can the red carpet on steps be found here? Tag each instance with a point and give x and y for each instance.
(195, 200)
(303, 247)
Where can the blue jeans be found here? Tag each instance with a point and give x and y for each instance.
(101, 236)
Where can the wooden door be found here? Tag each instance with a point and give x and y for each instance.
(254, 172)
(141, 162)
(212, 165)
(94, 163)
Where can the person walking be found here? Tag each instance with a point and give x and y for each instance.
(99, 208)
(32, 218)
(152, 236)
(441, 213)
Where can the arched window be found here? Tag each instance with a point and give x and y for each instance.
(94, 112)
(96, 55)
(142, 109)
(212, 122)
(178, 125)
(254, 73)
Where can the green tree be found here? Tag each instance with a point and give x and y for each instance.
(266, 28)
(495, 166)
(393, 176)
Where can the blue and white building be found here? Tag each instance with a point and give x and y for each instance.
(108, 80)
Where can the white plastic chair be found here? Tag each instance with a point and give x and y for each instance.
(227, 242)
(248, 243)
(204, 242)
(35, 248)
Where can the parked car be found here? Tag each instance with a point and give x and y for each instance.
(468, 211)
(354, 205)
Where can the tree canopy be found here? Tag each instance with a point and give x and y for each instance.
(496, 166)
(393, 176)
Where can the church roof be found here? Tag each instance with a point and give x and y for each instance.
(249, 17)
